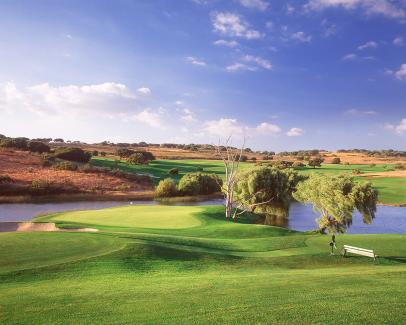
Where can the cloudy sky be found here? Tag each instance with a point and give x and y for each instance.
(289, 75)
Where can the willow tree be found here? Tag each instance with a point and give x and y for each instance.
(266, 190)
(336, 198)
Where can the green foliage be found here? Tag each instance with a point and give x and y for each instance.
(174, 171)
(15, 143)
(199, 183)
(65, 165)
(243, 158)
(140, 158)
(73, 154)
(267, 184)
(166, 188)
(315, 162)
(124, 152)
(298, 164)
(336, 198)
(356, 171)
(336, 160)
(95, 153)
(37, 146)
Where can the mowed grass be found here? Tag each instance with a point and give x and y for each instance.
(215, 272)
(391, 190)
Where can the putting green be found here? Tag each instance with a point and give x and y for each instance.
(174, 217)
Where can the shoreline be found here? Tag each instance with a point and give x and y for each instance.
(118, 196)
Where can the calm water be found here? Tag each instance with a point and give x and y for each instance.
(389, 220)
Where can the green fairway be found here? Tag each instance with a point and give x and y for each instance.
(145, 266)
(391, 190)
(136, 216)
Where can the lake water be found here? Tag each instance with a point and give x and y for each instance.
(389, 220)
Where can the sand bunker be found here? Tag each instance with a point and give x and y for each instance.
(31, 226)
(395, 173)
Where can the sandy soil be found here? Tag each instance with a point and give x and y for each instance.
(396, 173)
(24, 167)
(31, 226)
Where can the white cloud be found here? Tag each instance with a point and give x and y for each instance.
(301, 37)
(368, 45)
(263, 63)
(240, 66)
(349, 57)
(230, 24)
(330, 29)
(295, 132)
(195, 61)
(398, 41)
(386, 8)
(188, 116)
(147, 116)
(224, 127)
(179, 102)
(354, 111)
(399, 129)
(222, 42)
(401, 73)
(255, 4)
(144, 90)
(290, 9)
(269, 24)
(68, 36)
(267, 128)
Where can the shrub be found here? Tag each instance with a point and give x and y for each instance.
(73, 154)
(174, 171)
(298, 164)
(103, 154)
(95, 153)
(37, 146)
(166, 188)
(199, 169)
(243, 158)
(356, 171)
(267, 157)
(123, 187)
(124, 152)
(400, 166)
(199, 183)
(16, 143)
(254, 159)
(336, 161)
(40, 187)
(5, 179)
(65, 165)
(140, 157)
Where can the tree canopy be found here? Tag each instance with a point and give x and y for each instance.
(336, 198)
(267, 190)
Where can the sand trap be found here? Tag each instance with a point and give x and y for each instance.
(395, 173)
(31, 226)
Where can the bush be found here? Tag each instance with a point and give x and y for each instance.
(243, 158)
(199, 183)
(336, 161)
(267, 157)
(298, 164)
(5, 179)
(400, 166)
(16, 143)
(124, 152)
(140, 157)
(166, 188)
(103, 154)
(95, 153)
(65, 165)
(73, 154)
(356, 171)
(174, 171)
(37, 146)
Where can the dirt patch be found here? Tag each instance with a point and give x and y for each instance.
(396, 173)
(31, 226)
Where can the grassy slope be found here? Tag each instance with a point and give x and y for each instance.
(392, 190)
(217, 272)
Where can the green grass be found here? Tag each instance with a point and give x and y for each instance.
(392, 190)
(215, 271)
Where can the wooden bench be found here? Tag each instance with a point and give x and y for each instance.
(359, 251)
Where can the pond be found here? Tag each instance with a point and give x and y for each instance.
(389, 220)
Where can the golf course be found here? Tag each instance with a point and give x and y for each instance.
(392, 190)
(188, 265)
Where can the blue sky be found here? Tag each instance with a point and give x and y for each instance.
(288, 75)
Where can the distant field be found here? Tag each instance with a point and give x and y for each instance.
(215, 272)
(392, 190)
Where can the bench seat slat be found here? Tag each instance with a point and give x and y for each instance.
(359, 251)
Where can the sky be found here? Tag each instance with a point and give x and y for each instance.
(326, 74)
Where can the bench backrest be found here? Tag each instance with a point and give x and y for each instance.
(359, 251)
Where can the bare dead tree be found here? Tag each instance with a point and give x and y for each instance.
(231, 158)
